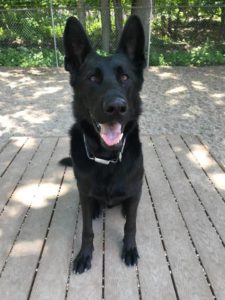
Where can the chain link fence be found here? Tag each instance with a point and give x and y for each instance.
(181, 35)
(188, 35)
(33, 36)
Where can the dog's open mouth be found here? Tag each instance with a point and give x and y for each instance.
(111, 134)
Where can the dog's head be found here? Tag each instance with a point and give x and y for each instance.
(106, 88)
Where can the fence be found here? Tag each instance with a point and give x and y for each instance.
(188, 35)
(179, 36)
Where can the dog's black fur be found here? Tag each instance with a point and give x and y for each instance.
(106, 91)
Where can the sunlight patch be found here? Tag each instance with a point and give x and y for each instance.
(39, 196)
(7, 122)
(219, 180)
(177, 90)
(199, 86)
(173, 102)
(188, 115)
(203, 156)
(47, 90)
(177, 149)
(218, 96)
(34, 117)
(25, 248)
(5, 74)
(167, 75)
(17, 141)
(21, 82)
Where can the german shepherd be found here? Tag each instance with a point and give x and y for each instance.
(105, 146)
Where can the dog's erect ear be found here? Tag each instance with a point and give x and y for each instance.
(76, 44)
(132, 41)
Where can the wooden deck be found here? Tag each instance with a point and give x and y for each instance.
(180, 226)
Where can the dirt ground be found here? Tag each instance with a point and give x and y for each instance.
(176, 100)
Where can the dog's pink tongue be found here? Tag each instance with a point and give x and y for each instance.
(111, 134)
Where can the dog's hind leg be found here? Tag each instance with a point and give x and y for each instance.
(83, 260)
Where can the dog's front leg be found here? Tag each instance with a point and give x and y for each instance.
(83, 260)
(130, 252)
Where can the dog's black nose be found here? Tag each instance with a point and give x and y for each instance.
(115, 106)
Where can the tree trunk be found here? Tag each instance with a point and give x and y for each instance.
(106, 24)
(222, 21)
(143, 9)
(169, 24)
(118, 18)
(81, 12)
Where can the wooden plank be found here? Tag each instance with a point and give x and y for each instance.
(186, 270)
(15, 212)
(205, 238)
(212, 153)
(87, 285)
(54, 265)
(120, 280)
(16, 169)
(3, 144)
(10, 152)
(155, 280)
(211, 167)
(211, 200)
(25, 254)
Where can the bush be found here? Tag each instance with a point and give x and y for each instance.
(24, 57)
(199, 56)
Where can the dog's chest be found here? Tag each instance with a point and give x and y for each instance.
(109, 188)
(109, 184)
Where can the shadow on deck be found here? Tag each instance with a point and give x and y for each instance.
(180, 226)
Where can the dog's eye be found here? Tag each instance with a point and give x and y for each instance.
(93, 78)
(123, 77)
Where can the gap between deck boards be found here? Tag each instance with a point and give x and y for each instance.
(180, 226)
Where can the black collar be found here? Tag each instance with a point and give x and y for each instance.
(101, 160)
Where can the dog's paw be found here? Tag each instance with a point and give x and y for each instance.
(82, 263)
(130, 256)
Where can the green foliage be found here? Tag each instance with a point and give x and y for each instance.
(102, 53)
(94, 28)
(184, 32)
(35, 3)
(23, 57)
(198, 56)
(188, 32)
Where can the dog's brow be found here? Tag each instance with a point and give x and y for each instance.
(119, 68)
(93, 70)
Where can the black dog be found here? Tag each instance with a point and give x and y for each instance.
(105, 147)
